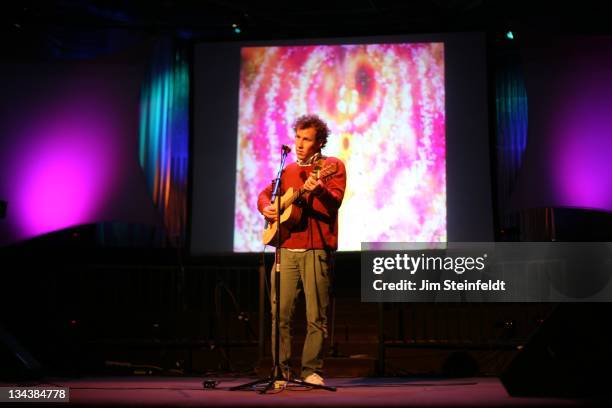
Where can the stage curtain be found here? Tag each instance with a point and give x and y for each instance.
(511, 138)
(164, 136)
(163, 143)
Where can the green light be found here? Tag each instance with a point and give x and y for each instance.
(510, 35)
(237, 30)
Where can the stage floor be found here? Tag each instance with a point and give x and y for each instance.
(367, 392)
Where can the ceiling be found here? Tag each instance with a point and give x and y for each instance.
(53, 27)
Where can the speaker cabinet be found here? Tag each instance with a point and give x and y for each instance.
(569, 355)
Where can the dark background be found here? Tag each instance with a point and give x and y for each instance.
(81, 306)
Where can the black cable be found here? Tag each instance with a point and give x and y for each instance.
(267, 284)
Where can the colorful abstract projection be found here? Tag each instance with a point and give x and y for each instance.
(384, 104)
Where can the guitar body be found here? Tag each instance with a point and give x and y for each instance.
(290, 215)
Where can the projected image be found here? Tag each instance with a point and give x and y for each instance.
(384, 104)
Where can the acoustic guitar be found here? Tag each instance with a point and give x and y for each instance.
(290, 214)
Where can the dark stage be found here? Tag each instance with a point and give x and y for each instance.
(365, 392)
(448, 162)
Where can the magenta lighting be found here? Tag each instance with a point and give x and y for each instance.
(583, 136)
(64, 172)
(569, 143)
(69, 156)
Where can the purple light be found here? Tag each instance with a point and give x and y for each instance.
(64, 172)
(584, 168)
(70, 148)
(568, 159)
(581, 142)
(59, 191)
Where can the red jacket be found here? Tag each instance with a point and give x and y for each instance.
(318, 227)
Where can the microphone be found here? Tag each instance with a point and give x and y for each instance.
(286, 149)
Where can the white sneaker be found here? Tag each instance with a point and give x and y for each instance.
(315, 379)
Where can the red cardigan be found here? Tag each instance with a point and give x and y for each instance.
(318, 228)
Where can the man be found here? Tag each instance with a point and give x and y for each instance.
(306, 253)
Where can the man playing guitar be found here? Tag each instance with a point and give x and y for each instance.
(307, 247)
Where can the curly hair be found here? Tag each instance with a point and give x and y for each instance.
(313, 121)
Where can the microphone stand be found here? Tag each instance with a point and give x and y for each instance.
(277, 372)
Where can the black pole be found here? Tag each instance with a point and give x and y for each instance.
(262, 310)
(278, 372)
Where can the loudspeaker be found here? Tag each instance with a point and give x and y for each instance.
(569, 355)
